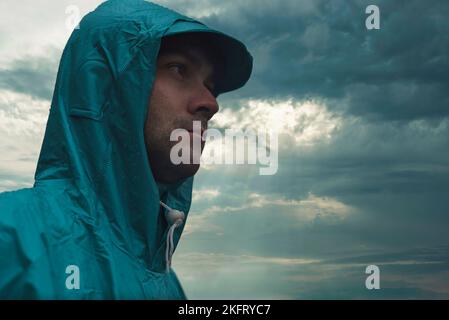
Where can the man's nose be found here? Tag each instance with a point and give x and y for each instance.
(205, 103)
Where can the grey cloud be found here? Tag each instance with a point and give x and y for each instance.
(327, 279)
(394, 174)
(31, 75)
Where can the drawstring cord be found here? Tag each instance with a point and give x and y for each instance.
(175, 218)
(170, 246)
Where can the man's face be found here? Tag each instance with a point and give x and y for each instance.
(182, 93)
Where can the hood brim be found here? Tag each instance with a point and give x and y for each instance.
(237, 61)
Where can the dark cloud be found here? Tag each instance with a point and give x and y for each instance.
(32, 75)
(395, 175)
(323, 49)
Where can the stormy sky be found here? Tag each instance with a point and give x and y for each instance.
(363, 149)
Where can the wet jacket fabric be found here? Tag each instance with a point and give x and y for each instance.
(92, 227)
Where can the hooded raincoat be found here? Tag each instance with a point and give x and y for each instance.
(92, 226)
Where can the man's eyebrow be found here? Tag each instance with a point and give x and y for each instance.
(191, 57)
(175, 51)
(194, 59)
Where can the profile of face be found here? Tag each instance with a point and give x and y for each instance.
(183, 92)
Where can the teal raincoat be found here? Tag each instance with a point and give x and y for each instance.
(92, 226)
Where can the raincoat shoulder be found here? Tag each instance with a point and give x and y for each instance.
(27, 220)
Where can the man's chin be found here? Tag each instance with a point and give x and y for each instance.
(188, 170)
(181, 172)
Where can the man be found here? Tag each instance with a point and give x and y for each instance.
(92, 226)
(183, 92)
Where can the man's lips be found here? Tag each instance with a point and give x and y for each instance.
(201, 135)
(201, 131)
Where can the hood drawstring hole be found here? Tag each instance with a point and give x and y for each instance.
(174, 218)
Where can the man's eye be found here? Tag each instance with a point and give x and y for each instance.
(177, 68)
